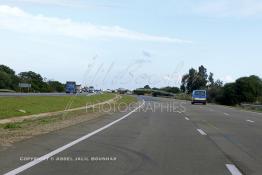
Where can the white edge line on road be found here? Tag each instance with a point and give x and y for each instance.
(186, 118)
(233, 169)
(226, 114)
(201, 132)
(251, 121)
(58, 150)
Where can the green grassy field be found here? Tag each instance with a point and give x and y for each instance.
(121, 103)
(21, 106)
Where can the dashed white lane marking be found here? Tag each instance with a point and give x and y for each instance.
(186, 118)
(251, 121)
(201, 132)
(233, 169)
(58, 150)
(226, 114)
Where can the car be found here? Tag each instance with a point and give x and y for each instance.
(199, 96)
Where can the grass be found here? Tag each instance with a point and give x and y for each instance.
(21, 106)
(250, 108)
(14, 132)
(12, 126)
(51, 120)
(183, 96)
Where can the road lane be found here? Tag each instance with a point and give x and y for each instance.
(239, 139)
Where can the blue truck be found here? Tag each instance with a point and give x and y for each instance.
(70, 87)
(199, 96)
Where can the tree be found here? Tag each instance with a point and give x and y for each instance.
(8, 79)
(183, 86)
(174, 90)
(249, 89)
(218, 83)
(245, 89)
(211, 79)
(5, 80)
(215, 91)
(229, 95)
(35, 80)
(147, 87)
(194, 80)
(56, 86)
(201, 79)
(7, 70)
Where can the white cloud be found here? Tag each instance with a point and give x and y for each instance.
(15, 19)
(65, 3)
(228, 79)
(236, 8)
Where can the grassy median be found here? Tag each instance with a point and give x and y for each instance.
(13, 132)
(21, 106)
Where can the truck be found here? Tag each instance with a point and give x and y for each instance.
(70, 87)
(91, 89)
(199, 96)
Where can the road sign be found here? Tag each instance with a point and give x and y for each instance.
(24, 85)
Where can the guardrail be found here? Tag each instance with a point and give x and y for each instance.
(252, 106)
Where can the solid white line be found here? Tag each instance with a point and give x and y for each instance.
(186, 118)
(233, 169)
(226, 114)
(251, 121)
(58, 150)
(201, 132)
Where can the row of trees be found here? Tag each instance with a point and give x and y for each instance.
(9, 80)
(244, 89)
(169, 89)
(165, 91)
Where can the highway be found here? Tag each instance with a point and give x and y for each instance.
(159, 137)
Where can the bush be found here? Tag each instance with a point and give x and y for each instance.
(139, 92)
(183, 96)
(12, 126)
(245, 89)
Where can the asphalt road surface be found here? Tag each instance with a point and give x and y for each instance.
(162, 137)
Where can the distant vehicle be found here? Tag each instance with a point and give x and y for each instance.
(70, 87)
(108, 90)
(199, 96)
(78, 89)
(122, 90)
(91, 89)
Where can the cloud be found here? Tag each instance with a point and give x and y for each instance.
(146, 54)
(142, 61)
(225, 8)
(65, 3)
(228, 79)
(15, 19)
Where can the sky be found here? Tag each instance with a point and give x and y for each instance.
(112, 43)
